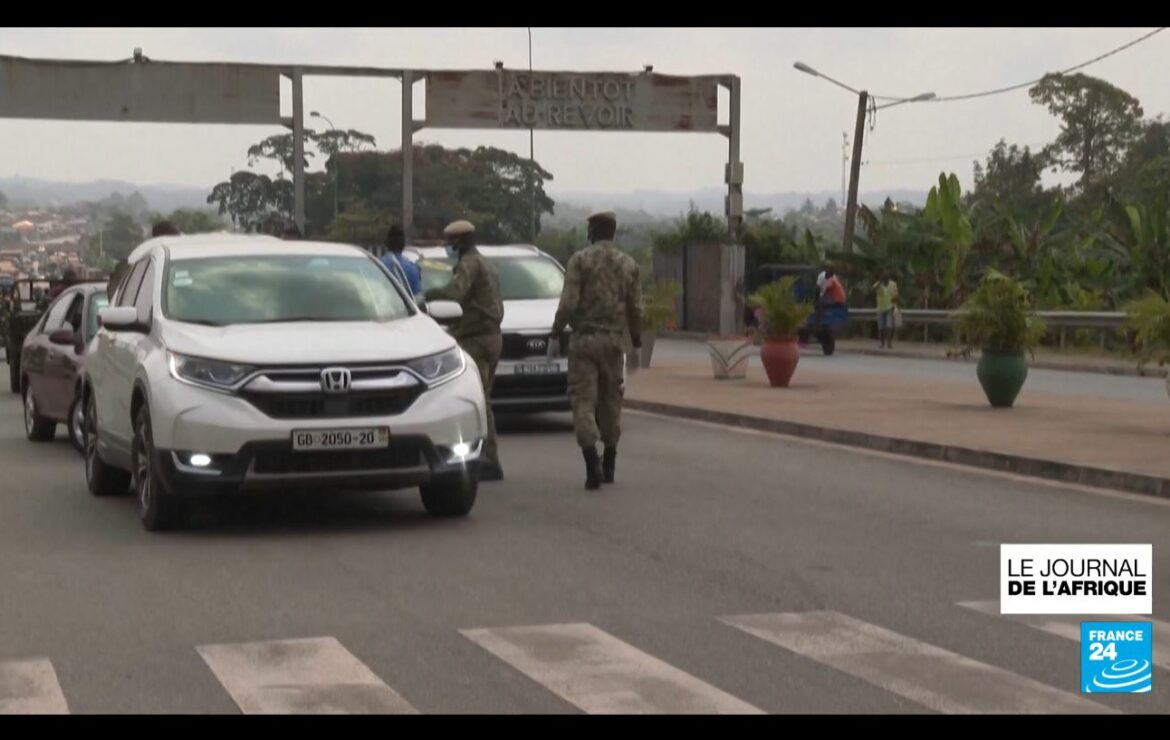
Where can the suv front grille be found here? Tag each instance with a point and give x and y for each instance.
(322, 406)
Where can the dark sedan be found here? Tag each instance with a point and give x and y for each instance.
(51, 361)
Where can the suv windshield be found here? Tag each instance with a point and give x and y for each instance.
(269, 289)
(521, 278)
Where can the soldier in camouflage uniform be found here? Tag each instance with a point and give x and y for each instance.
(475, 285)
(601, 301)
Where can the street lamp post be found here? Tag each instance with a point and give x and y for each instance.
(336, 171)
(531, 153)
(858, 134)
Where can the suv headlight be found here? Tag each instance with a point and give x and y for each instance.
(214, 374)
(439, 368)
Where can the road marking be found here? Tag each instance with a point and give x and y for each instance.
(30, 687)
(310, 676)
(926, 674)
(911, 459)
(1069, 626)
(600, 674)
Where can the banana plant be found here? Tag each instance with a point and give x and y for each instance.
(948, 254)
(1145, 235)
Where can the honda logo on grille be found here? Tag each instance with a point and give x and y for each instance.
(335, 379)
(537, 345)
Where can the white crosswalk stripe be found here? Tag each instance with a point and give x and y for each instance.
(926, 674)
(1069, 626)
(30, 687)
(307, 676)
(601, 674)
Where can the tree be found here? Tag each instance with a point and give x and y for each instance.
(121, 235)
(1010, 178)
(250, 198)
(695, 228)
(1145, 173)
(3, 200)
(191, 221)
(487, 186)
(1098, 123)
(279, 148)
(334, 141)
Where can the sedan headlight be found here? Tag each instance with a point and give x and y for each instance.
(438, 368)
(214, 374)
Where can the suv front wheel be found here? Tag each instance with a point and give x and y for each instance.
(157, 509)
(450, 495)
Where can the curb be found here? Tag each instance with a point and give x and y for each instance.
(1072, 367)
(1148, 485)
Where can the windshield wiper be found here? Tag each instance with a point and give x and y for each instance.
(290, 319)
(200, 322)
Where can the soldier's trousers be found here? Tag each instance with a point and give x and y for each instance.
(485, 351)
(595, 387)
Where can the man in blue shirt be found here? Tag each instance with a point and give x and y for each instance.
(398, 263)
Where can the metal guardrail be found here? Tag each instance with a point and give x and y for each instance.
(1054, 319)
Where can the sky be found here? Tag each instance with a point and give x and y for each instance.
(792, 123)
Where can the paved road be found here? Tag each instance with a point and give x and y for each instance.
(726, 571)
(1069, 382)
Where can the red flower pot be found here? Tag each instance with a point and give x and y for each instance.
(779, 357)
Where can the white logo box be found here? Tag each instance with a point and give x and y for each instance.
(1076, 579)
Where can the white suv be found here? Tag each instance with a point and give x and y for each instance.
(527, 378)
(231, 362)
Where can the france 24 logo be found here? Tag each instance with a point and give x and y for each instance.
(1117, 657)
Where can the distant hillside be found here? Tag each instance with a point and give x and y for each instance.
(655, 204)
(637, 206)
(23, 191)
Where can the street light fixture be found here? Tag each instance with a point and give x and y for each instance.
(920, 98)
(858, 134)
(336, 169)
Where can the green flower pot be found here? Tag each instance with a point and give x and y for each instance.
(1002, 376)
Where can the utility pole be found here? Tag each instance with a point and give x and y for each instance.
(855, 171)
(844, 166)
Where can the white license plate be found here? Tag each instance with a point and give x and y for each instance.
(340, 439)
(541, 368)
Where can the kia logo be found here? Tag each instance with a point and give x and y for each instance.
(335, 380)
(537, 345)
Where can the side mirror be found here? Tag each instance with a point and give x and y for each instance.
(63, 337)
(120, 318)
(444, 311)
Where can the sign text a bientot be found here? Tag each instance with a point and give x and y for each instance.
(565, 100)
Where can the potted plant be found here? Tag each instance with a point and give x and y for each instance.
(658, 314)
(1149, 319)
(997, 321)
(729, 356)
(783, 316)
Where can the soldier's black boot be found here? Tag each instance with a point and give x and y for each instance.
(593, 472)
(608, 463)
